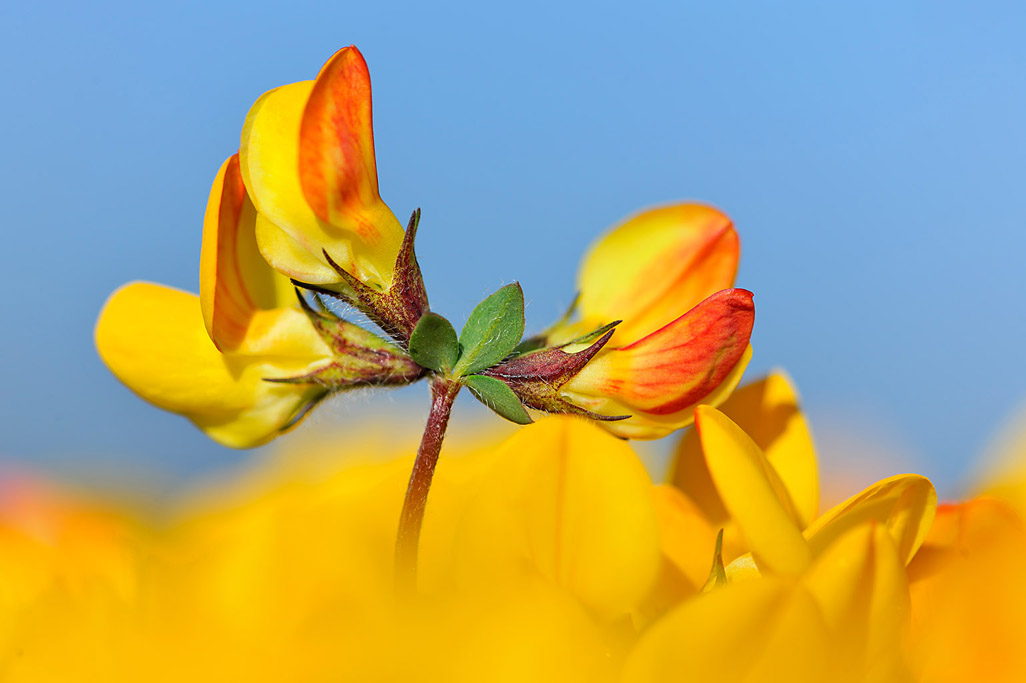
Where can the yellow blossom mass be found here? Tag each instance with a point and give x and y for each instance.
(550, 556)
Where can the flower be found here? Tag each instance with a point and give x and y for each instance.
(307, 159)
(662, 279)
(551, 556)
(210, 357)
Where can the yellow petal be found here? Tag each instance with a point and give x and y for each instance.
(768, 412)
(753, 494)
(366, 244)
(235, 281)
(153, 339)
(686, 537)
(861, 587)
(536, 634)
(657, 266)
(904, 504)
(570, 503)
(286, 254)
(767, 630)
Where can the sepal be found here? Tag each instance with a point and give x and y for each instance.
(360, 358)
(396, 310)
(718, 573)
(536, 377)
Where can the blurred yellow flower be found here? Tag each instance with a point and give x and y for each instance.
(551, 556)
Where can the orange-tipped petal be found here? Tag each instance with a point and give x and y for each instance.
(698, 358)
(153, 339)
(767, 410)
(656, 266)
(235, 281)
(337, 169)
(307, 158)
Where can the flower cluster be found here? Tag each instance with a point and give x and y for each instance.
(298, 206)
(551, 556)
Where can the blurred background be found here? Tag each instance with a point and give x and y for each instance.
(872, 157)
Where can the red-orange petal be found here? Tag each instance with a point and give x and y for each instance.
(679, 364)
(235, 281)
(337, 169)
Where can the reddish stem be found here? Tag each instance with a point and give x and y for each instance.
(443, 394)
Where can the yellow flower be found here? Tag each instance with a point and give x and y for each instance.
(666, 274)
(843, 573)
(307, 157)
(209, 357)
(540, 561)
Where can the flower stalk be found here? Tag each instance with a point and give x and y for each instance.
(443, 394)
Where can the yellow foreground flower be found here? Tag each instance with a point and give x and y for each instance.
(551, 556)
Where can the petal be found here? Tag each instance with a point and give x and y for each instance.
(298, 142)
(905, 504)
(697, 358)
(286, 254)
(235, 281)
(571, 504)
(656, 266)
(337, 169)
(768, 412)
(767, 630)
(968, 595)
(753, 494)
(153, 339)
(686, 537)
(860, 585)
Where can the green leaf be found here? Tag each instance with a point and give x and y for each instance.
(433, 343)
(497, 395)
(493, 330)
(718, 574)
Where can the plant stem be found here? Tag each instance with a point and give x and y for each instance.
(443, 393)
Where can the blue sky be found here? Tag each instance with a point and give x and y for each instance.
(872, 157)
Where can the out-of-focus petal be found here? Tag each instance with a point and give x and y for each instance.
(768, 412)
(569, 503)
(657, 266)
(753, 494)
(154, 340)
(660, 378)
(686, 537)
(904, 504)
(278, 140)
(768, 630)
(536, 634)
(235, 280)
(968, 595)
(861, 587)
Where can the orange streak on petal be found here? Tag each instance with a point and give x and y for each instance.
(683, 362)
(226, 302)
(337, 170)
